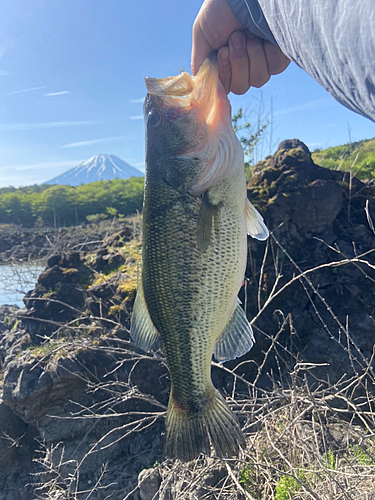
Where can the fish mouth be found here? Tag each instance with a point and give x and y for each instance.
(175, 86)
(203, 97)
(179, 94)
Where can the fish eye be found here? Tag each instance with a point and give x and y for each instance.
(154, 118)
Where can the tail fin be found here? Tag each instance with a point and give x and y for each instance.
(189, 433)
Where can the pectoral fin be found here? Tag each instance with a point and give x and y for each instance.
(207, 213)
(142, 330)
(237, 338)
(254, 223)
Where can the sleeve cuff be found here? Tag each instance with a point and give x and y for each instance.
(251, 16)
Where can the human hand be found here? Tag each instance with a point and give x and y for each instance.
(244, 59)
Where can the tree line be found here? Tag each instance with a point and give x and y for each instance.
(58, 206)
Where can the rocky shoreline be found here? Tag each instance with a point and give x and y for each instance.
(82, 409)
(20, 244)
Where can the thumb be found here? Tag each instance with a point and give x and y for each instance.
(200, 50)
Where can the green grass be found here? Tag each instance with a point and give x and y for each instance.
(361, 456)
(248, 480)
(286, 487)
(356, 156)
(41, 351)
(329, 460)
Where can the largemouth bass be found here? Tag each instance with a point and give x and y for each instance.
(195, 219)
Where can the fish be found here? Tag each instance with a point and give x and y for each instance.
(196, 217)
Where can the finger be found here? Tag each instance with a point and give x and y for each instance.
(213, 25)
(224, 68)
(258, 74)
(239, 63)
(276, 60)
(201, 48)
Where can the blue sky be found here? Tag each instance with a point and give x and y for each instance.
(71, 85)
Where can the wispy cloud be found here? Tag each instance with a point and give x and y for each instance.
(36, 173)
(93, 141)
(62, 92)
(45, 125)
(26, 90)
(137, 101)
(4, 73)
(137, 117)
(305, 106)
(50, 165)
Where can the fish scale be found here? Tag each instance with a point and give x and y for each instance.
(177, 299)
(170, 295)
(195, 219)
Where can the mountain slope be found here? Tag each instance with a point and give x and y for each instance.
(97, 168)
(356, 156)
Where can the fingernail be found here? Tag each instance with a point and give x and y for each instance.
(237, 40)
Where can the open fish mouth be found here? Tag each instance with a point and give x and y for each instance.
(180, 85)
(203, 92)
(204, 98)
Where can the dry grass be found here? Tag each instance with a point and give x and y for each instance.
(306, 437)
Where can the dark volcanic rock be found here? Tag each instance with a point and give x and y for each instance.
(109, 300)
(17, 443)
(119, 238)
(316, 210)
(31, 392)
(5, 315)
(296, 193)
(67, 260)
(294, 144)
(317, 219)
(18, 243)
(59, 295)
(107, 261)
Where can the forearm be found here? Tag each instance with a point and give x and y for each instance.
(333, 41)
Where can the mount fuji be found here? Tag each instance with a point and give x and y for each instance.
(97, 168)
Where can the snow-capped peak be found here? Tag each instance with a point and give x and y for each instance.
(98, 168)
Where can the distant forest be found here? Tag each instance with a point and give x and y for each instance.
(57, 206)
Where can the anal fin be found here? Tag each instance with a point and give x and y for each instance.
(237, 338)
(142, 330)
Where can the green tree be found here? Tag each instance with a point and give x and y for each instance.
(15, 208)
(68, 205)
(56, 206)
(249, 136)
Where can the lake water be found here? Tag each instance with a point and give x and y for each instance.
(16, 280)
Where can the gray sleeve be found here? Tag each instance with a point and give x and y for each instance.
(251, 16)
(332, 40)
